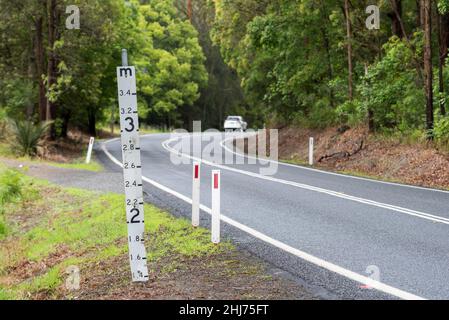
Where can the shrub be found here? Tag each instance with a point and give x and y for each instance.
(3, 123)
(2, 227)
(10, 186)
(27, 135)
(441, 130)
(10, 190)
(390, 89)
(351, 112)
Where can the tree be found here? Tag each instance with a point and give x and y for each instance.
(223, 94)
(396, 18)
(428, 69)
(172, 66)
(349, 46)
(443, 44)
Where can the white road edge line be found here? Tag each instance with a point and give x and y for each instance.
(410, 212)
(296, 252)
(223, 144)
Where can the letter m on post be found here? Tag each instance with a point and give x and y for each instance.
(125, 72)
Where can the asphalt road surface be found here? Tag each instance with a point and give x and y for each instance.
(343, 237)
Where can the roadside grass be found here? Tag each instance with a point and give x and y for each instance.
(12, 191)
(77, 164)
(50, 228)
(4, 150)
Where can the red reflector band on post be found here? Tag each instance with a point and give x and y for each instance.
(216, 181)
(196, 171)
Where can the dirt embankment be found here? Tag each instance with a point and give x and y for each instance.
(354, 151)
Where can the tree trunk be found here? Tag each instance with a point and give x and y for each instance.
(40, 66)
(443, 43)
(444, 35)
(189, 9)
(419, 15)
(349, 39)
(52, 64)
(112, 121)
(65, 124)
(395, 17)
(327, 46)
(371, 125)
(428, 73)
(92, 121)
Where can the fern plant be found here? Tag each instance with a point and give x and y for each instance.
(28, 135)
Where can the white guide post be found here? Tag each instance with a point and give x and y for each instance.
(216, 184)
(89, 150)
(196, 186)
(311, 146)
(132, 169)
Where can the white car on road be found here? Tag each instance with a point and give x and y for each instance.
(235, 123)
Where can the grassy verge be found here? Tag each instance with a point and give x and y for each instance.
(80, 164)
(48, 229)
(76, 164)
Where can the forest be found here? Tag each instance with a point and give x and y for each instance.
(300, 63)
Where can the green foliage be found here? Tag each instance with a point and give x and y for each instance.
(390, 89)
(10, 186)
(292, 58)
(442, 130)
(443, 6)
(10, 190)
(3, 124)
(351, 112)
(17, 96)
(27, 136)
(162, 45)
(171, 64)
(287, 55)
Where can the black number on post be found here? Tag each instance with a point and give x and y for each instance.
(130, 202)
(131, 123)
(135, 216)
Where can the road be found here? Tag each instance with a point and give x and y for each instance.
(344, 237)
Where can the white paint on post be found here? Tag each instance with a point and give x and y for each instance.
(216, 182)
(89, 150)
(132, 170)
(196, 186)
(311, 146)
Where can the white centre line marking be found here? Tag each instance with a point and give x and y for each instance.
(414, 213)
(223, 144)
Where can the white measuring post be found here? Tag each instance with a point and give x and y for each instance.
(89, 150)
(196, 187)
(215, 226)
(311, 146)
(132, 169)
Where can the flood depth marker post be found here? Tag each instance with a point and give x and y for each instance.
(311, 147)
(89, 150)
(215, 225)
(196, 185)
(132, 169)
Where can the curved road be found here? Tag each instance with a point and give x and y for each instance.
(334, 233)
